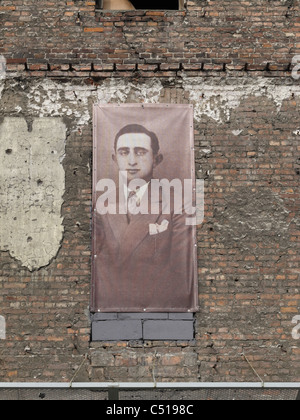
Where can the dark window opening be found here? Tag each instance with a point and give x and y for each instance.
(140, 4)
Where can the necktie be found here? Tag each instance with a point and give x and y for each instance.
(131, 205)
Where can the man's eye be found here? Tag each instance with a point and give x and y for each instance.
(141, 153)
(124, 153)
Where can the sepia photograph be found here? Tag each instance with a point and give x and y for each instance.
(144, 253)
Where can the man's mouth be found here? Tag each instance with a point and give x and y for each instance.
(133, 171)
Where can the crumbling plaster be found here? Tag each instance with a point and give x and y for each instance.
(215, 98)
(32, 184)
(39, 113)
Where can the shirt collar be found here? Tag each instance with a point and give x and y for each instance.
(140, 193)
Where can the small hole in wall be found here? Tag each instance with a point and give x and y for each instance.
(8, 151)
(29, 239)
(39, 182)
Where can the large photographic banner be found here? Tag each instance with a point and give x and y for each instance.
(144, 234)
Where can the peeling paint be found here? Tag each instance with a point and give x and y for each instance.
(46, 102)
(119, 91)
(217, 100)
(49, 98)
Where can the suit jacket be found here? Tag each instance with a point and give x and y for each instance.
(145, 264)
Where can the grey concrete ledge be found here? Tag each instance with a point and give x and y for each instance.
(141, 316)
(139, 327)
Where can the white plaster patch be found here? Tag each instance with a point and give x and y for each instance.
(18, 109)
(118, 91)
(47, 98)
(218, 100)
(32, 183)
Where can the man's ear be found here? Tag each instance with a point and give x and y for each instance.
(114, 158)
(159, 158)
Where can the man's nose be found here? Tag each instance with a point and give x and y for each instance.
(132, 159)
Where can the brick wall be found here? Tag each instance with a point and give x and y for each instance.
(236, 33)
(232, 60)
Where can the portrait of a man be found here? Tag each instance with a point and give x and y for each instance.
(143, 246)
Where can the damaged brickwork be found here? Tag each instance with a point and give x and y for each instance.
(235, 67)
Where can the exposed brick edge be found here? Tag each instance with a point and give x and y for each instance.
(143, 70)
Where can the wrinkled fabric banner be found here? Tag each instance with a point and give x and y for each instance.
(144, 246)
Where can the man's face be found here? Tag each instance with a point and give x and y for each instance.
(134, 155)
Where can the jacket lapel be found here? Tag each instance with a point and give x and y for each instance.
(118, 222)
(130, 235)
(138, 228)
(136, 232)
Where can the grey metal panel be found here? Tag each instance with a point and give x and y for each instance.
(143, 316)
(104, 316)
(168, 330)
(181, 316)
(117, 330)
(167, 326)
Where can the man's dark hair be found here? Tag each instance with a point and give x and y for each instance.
(139, 129)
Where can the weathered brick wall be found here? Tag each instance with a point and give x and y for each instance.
(232, 60)
(259, 33)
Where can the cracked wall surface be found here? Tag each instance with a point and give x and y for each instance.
(247, 136)
(237, 62)
(32, 185)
